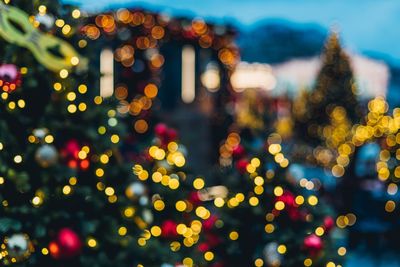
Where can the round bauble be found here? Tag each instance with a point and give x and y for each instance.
(46, 155)
(161, 129)
(10, 77)
(67, 244)
(271, 255)
(168, 228)
(18, 247)
(313, 244)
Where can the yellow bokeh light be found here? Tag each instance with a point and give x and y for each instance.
(92, 242)
(253, 201)
(312, 200)
(258, 262)
(122, 231)
(281, 249)
(233, 235)
(180, 205)
(219, 202)
(198, 183)
(155, 231)
(390, 206)
(159, 205)
(269, 228)
(208, 256)
(76, 13)
(63, 73)
(342, 251)
(109, 191)
(307, 262)
(319, 231)
(279, 205)
(278, 191)
(129, 212)
(67, 190)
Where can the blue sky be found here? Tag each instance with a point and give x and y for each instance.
(365, 25)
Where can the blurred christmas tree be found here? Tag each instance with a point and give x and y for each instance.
(267, 219)
(67, 191)
(60, 167)
(334, 89)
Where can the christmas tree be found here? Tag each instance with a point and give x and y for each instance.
(75, 190)
(269, 217)
(334, 89)
(60, 168)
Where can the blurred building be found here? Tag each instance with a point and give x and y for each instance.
(174, 70)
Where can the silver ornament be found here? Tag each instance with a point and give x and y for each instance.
(271, 255)
(46, 155)
(18, 247)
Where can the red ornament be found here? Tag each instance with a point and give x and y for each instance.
(329, 223)
(67, 245)
(241, 165)
(203, 247)
(313, 244)
(10, 77)
(168, 229)
(72, 148)
(161, 129)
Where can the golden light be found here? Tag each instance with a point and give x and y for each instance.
(252, 76)
(211, 78)
(188, 74)
(107, 71)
